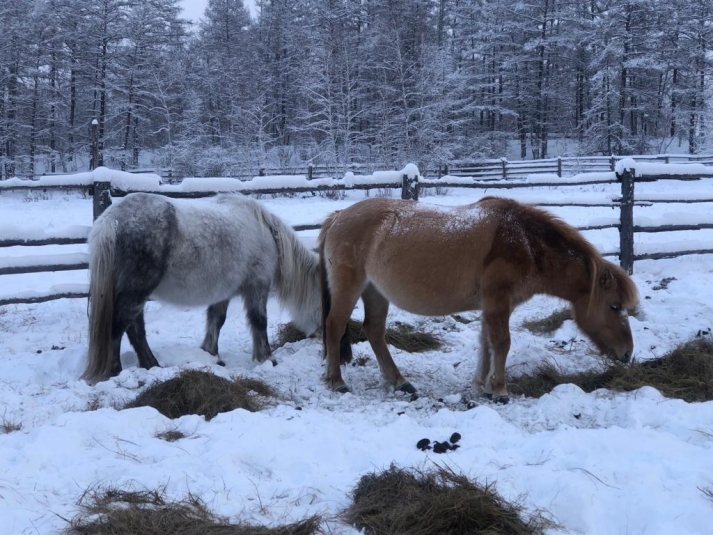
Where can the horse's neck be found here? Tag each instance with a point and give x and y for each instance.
(566, 279)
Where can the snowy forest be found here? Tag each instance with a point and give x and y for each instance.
(344, 82)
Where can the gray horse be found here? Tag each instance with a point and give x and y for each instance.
(193, 254)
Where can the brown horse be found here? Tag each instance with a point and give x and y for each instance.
(492, 255)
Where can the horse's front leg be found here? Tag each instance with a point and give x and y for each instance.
(481, 382)
(497, 329)
(376, 309)
(255, 301)
(215, 319)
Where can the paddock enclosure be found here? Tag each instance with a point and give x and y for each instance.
(599, 463)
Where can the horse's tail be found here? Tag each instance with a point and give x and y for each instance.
(345, 348)
(102, 282)
(297, 278)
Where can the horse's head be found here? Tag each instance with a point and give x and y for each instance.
(603, 313)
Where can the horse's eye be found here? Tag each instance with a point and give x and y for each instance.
(615, 308)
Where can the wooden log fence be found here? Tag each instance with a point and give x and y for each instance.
(410, 186)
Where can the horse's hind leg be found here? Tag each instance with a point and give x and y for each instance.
(128, 306)
(137, 336)
(215, 319)
(376, 308)
(255, 300)
(345, 289)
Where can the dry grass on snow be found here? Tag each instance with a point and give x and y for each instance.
(112, 511)
(401, 501)
(550, 323)
(401, 336)
(203, 393)
(685, 373)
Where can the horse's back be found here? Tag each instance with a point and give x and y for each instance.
(194, 252)
(425, 260)
(218, 246)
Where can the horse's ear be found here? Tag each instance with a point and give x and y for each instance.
(606, 280)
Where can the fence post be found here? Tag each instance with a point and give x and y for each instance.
(505, 168)
(310, 170)
(102, 197)
(409, 188)
(559, 166)
(626, 230)
(94, 145)
(612, 163)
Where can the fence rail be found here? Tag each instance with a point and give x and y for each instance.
(409, 182)
(490, 169)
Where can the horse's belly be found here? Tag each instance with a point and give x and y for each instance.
(429, 299)
(194, 290)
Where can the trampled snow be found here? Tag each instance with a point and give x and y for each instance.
(599, 463)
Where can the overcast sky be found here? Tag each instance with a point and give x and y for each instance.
(193, 9)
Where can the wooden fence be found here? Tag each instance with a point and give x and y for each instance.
(493, 169)
(411, 185)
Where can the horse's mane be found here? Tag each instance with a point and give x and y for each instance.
(538, 223)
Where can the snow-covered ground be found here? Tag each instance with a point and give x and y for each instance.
(599, 463)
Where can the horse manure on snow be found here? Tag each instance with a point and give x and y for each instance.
(110, 511)
(401, 501)
(402, 336)
(685, 373)
(203, 393)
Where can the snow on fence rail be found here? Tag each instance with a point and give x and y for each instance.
(103, 184)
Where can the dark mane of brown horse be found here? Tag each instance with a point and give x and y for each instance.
(548, 237)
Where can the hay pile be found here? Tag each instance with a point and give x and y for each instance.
(401, 501)
(203, 393)
(401, 336)
(111, 511)
(685, 373)
(549, 324)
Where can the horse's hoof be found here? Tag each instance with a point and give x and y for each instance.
(487, 395)
(274, 362)
(501, 400)
(406, 387)
(342, 389)
(221, 363)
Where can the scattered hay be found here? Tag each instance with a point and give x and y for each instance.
(287, 333)
(9, 426)
(204, 393)
(401, 336)
(172, 435)
(549, 324)
(110, 511)
(685, 373)
(409, 501)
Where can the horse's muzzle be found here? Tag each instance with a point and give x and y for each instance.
(624, 357)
